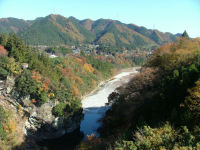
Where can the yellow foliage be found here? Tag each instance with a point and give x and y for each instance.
(51, 95)
(40, 90)
(14, 66)
(88, 67)
(10, 127)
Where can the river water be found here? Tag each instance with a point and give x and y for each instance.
(94, 105)
(94, 108)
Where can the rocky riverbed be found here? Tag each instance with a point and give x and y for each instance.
(94, 105)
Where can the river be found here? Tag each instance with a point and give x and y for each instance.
(94, 105)
(94, 108)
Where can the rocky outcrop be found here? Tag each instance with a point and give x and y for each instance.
(40, 123)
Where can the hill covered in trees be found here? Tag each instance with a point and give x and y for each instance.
(159, 108)
(56, 30)
(32, 84)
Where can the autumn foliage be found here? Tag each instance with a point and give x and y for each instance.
(37, 76)
(88, 67)
(166, 90)
(3, 51)
(46, 84)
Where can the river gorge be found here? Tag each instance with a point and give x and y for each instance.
(94, 108)
(94, 105)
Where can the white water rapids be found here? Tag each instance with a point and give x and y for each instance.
(94, 105)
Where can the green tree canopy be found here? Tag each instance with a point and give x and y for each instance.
(3, 39)
(185, 34)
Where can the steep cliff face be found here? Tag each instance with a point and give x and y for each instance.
(37, 123)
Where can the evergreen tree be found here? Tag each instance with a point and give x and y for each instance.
(185, 35)
(3, 39)
(17, 48)
(11, 43)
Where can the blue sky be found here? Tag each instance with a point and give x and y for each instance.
(173, 16)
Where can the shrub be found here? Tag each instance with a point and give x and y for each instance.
(25, 84)
(61, 109)
(163, 138)
(3, 121)
(43, 97)
(3, 73)
(125, 145)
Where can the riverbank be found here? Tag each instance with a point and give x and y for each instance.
(111, 78)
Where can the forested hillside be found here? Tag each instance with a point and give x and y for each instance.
(40, 81)
(159, 107)
(8, 25)
(57, 30)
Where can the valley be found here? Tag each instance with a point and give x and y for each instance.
(94, 105)
(99, 79)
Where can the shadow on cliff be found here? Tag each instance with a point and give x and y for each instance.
(68, 141)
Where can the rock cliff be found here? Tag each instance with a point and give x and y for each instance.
(38, 121)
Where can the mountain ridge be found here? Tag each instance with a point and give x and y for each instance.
(57, 29)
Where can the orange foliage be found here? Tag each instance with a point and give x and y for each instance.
(78, 60)
(88, 67)
(36, 76)
(46, 84)
(75, 91)
(34, 101)
(65, 71)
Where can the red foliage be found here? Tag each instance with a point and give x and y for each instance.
(3, 51)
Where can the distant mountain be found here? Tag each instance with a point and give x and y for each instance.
(56, 30)
(13, 25)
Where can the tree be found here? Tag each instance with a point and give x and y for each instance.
(25, 84)
(3, 39)
(185, 35)
(17, 48)
(3, 73)
(11, 43)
